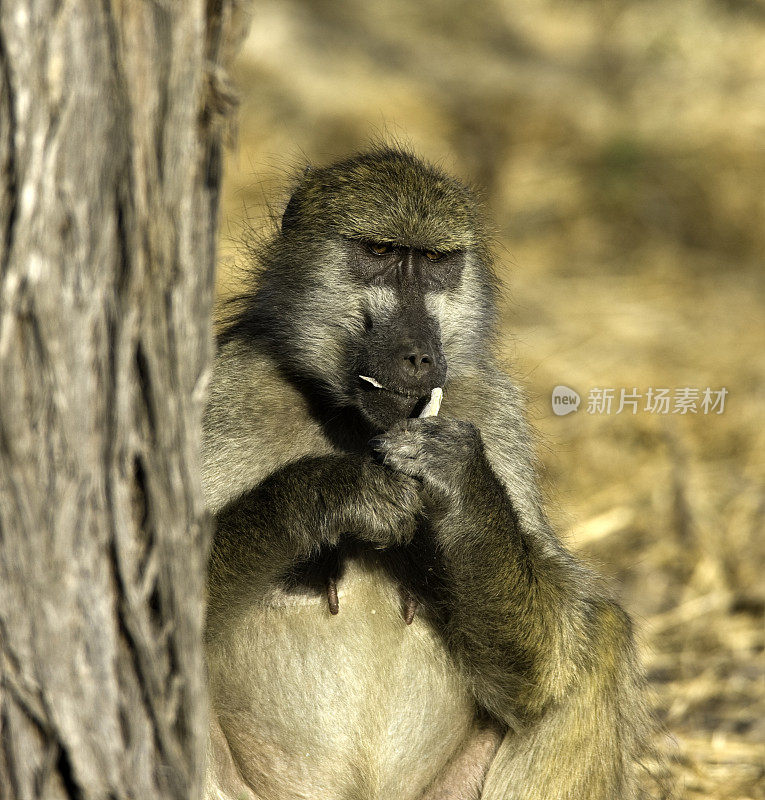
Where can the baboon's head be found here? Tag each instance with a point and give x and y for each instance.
(380, 270)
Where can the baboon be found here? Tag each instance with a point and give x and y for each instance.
(341, 516)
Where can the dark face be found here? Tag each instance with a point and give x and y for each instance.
(400, 349)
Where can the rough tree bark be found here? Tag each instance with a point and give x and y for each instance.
(109, 178)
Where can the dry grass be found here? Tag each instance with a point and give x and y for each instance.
(620, 148)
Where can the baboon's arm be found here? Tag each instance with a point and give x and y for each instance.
(295, 510)
(546, 649)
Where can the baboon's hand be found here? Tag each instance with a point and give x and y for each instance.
(387, 510)
(445, 454)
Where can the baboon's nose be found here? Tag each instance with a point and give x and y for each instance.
(417, 362)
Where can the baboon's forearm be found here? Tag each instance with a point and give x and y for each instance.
(289, 514)
(522, 612)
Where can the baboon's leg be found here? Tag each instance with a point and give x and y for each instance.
(573, 752)
(223, 780)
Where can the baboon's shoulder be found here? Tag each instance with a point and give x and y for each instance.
(495, 404)
(255, 422)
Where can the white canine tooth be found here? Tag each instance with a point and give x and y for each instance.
(372, 381)
(434, 404)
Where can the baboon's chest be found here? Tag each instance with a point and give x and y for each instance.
(353, 705)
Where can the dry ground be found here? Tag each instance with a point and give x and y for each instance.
(621, 151)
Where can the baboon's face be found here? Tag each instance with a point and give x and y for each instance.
(398, 357)
(390, 288)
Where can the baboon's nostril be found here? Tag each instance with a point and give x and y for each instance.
(419, 360)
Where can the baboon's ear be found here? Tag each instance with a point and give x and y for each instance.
(293, 207)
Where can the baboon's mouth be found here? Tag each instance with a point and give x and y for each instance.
(385, 405)
(408, 393)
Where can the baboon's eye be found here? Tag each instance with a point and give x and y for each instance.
(378, 248)
(433, 255)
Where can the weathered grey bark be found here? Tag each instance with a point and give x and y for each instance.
(109, 177)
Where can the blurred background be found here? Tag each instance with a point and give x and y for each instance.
(620, 151)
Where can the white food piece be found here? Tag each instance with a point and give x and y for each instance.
(434, 404)
(372, 381)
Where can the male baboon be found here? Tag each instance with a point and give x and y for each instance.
(516, 678)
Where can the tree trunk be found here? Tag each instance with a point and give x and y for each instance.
(109, 178)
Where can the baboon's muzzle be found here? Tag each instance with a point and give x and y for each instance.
(402, 354)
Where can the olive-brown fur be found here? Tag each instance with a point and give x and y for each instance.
(517, 678)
